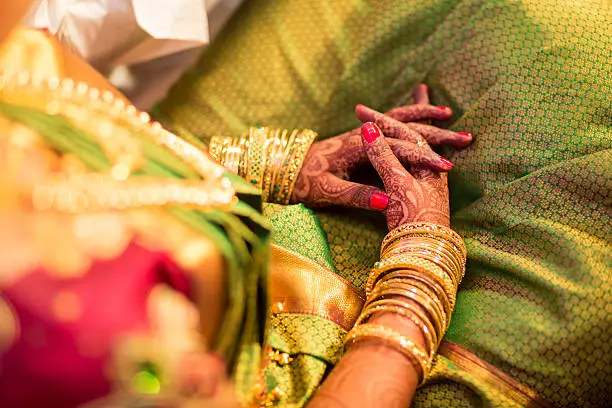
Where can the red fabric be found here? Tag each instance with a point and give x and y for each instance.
(63, 364)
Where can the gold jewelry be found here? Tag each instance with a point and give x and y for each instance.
(268, 159)
(91, 109)
(420, 360)
(406, 313)
(426, 228)
(423, 301)
(417, 264)
(408, 284)
(449, 267)
(419, 279)
(408, 306)
(434, 250)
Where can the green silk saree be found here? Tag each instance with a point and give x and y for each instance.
(532, 197)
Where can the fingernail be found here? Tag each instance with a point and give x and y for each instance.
(465, 134)
(446, 109)
(379, 201)
(449, 164)
(370, 132)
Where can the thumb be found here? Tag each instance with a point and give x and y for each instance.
(353, 195)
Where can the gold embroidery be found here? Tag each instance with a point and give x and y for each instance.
(303, 286)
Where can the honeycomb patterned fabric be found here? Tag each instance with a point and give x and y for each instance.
(532, 197)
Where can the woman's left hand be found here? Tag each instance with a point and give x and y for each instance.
(324, 178)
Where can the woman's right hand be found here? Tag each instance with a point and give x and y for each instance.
(419, 195)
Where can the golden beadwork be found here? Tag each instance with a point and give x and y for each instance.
(115, 126)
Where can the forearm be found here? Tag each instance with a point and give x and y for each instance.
(410, 296)
(372, 374)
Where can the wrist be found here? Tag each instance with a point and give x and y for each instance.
(270, 160)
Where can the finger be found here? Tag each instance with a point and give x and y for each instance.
(421, 95)
(381, 156)
(395, 129)
(428, 176)
(438, 136)
(389, 126)
(412, 154)
(336, 191)
(413, 113)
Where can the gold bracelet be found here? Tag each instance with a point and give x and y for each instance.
(418, 264)
(426, 228)
(413, 285)
(436, 256)
(294, 163)
(408, 306)
(422, 249)
(432, 281)
(414, 353)
(432, 243)
(438, 320)
(256, 156)
(405, 313)
(436, 291)
(433, 267)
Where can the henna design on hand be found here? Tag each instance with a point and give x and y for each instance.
(365, 378)
(422, 197)
(324, 178)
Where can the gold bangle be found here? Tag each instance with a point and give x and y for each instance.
(440, 230)
(430, 280)
(283, 167)
(429, 228)
(421, 249)
(422, 261)
(418, 264)
(438, 320)
(256, 157)
(434, 244)
(406, 313)
(407, 284)
(294, 164)
(406, 305)
(436, 290)
(414, 353)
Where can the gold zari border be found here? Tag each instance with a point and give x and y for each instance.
(300, 285)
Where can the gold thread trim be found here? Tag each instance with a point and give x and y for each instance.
(303, 286)
(492, 375)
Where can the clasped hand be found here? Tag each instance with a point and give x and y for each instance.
(413, 174)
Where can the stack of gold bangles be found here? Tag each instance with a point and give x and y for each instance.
(269, 159)
(417, 278)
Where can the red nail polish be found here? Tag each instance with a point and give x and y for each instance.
(370, 132)
(465, 134)
(449, 164)
(379, 201)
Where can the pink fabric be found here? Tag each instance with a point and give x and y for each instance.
(63, 364)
